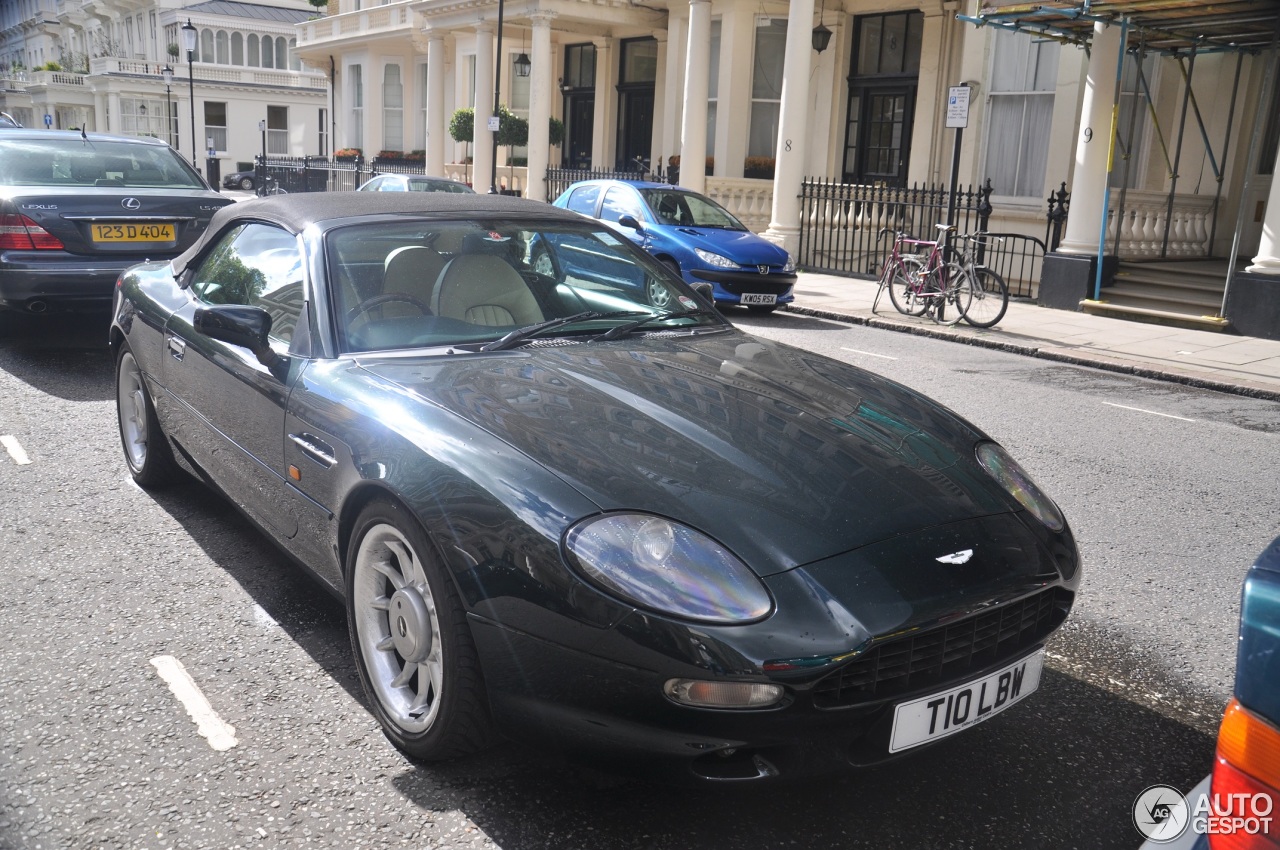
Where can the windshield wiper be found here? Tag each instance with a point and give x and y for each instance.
(624, 329)
(520, 335)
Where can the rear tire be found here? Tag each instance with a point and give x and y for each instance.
(984, 299)
(246, 183)
(903, 283)
(146, 450)
(409, 634)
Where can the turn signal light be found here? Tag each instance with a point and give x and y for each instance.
(723, 694)
(17, 232)
(1247, 773)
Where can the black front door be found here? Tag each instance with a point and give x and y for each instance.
(635, 130)
(580, 118)
(879, 134)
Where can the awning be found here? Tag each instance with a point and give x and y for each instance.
(1166, 26)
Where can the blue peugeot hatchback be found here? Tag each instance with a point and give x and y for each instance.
(694, 236)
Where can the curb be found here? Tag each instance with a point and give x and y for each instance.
(1056, 354)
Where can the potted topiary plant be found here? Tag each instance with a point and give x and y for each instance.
(462, 129)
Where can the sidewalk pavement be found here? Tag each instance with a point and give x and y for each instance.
(1217, 361)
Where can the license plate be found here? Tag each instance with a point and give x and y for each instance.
(939, 715)
(141, 232)
(759, 298)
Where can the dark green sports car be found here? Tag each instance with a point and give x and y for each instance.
(562, 496)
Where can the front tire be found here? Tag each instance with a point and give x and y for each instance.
(985, 299)
(146, 451)
(409, 634)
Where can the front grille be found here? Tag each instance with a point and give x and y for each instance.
(946, 653)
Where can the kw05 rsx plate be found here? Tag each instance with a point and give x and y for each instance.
(151, 231)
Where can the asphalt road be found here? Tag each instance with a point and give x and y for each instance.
(1171, 492)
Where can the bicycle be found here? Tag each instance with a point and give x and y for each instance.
(925, 283)
(270, 186)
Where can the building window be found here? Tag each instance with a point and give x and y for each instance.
(237, 49)
(766, 88)
(253, 50)
(223, 48)
(282, 53)
(278, 130)
(324, 132)
(519, 102)
(143, 117)
(268, 52)
(392, 109)
(355, 133)
(215, 125)
(1024, 72)
(207, 53)
(420, 130)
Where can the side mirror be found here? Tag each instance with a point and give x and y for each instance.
(244, 326)
(706, 290)
(630, 221)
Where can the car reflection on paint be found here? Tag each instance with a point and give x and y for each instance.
(556, 510)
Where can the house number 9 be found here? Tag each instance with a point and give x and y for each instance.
(1088, 135)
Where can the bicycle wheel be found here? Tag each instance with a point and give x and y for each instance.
(905, 287)
(948, 282)
(983, 297)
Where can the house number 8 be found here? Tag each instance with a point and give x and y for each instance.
(787, 147)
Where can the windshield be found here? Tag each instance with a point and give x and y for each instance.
(420, 284)
(81, 162)
(685, 209)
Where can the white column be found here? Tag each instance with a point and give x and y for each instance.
(114, 122)
(697, 82)
(540, 85)
(482, 148)
(1089, 181)
(793, 128)
(436, 125)
(671, 107)
(733, 86)
(375, 69)
(602, 130)
(1268, 259)
(660, 98)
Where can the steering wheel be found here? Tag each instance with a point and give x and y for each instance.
(386, 298)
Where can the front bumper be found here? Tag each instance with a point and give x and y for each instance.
(730, 286)
(37, 281)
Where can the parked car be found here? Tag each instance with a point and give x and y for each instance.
(245, 180)
(693, 236)
(414, 183)
(556, 510)
(1242, 791)
(76, 209)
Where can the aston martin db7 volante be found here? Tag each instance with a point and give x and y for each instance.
(555, 509)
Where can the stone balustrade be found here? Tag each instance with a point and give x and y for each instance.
(750, 200)
(1142, 224)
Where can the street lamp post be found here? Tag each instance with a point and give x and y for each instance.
(497, 90)
(167, 73)
(189, 42)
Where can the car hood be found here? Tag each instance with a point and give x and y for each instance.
(741, 246)
(784, 456)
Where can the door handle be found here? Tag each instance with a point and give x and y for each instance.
(315, 448)
(177, 347)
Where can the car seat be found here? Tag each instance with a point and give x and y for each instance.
(484, 290)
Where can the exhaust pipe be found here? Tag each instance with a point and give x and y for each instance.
(37, 307)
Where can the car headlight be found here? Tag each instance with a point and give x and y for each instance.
(666, 567)
(790, 266)
(1013, 478)
(715, 259)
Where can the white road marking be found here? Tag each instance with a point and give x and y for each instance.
(264, 619)
(869, 354)
(221, 736)
(1152, 412)
(14, 448)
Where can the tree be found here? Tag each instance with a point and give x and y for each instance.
(462, 129)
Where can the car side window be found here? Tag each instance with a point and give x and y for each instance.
(258, 265)
(583, 200)
(620, 201)
(389, 184)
